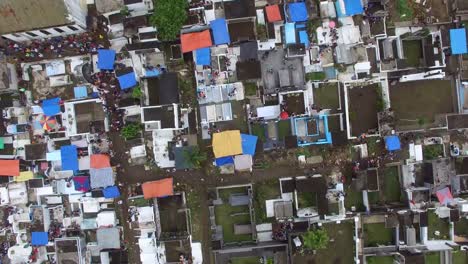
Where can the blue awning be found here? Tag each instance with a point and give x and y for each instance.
(220, 31)
(297, 12)
(69, 156)
(51, 107)
(106, 59)
(203, 56)
(458, 41)
(224, 160)
(304, 38)
(39, 238)
(290, 33)
(392, 143)
(127, 81)
(353, 7)
(249, 143)
(111, 192)
(81, 92)
(152, 73)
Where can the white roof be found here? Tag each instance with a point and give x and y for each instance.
(270, 208)
(84, 163)
(90, 205)
(54, 155)
(243, 162)
(197, 253)
(145, 214)
(138, 151)
(4, 198)
(55, 68)
(18, 193)
(419, 152)
(19, 253)
(106, 218)
(269, 112)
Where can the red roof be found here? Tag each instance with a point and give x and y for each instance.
(445, 196)
(156, 189)
(195, 40)
(99, 161)
(9, 168)
(273, 13)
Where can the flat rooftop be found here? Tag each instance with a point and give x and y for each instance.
(87, 113)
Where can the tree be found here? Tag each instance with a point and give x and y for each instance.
(195, 157)
(130, 131)
(137, 93)
(315, 239)
(168, 17)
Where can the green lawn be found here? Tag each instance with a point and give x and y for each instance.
(306, 199)
(459, 257)
(139, 202)
(227, 216)
(380, 260)
(373, 197)
(353, 198)
(404, 10)
(250, 89)
(263, 191)
(284, 129)
(437, 224)
(413, 52)
(432, 258)
(193, 203)
(259, 131)
(315, 76)
(433, 151)
(326, 96)
(461, 227)
(376, 234)
(245, 260)
(392, 188)
(224, 194)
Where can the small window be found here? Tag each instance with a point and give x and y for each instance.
(31, 34)
(72, 28)
(59, 30)
(44, 32)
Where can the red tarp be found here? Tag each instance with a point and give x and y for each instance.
(273, 13)
(99, 161)
(156, 189)
(195, 40)
(9, 168)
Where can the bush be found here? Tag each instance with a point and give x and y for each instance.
(168, 17)
(130, 131)
(195, 157)
(315, 239)
(137, 93)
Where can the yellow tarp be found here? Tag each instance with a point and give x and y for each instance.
(227, 143)
(24, 176)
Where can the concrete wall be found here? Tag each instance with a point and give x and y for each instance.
(46, 33)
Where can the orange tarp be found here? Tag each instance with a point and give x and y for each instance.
(156, 189)
(9, 168)
(195, 40)
(99, 161)
(273, 13)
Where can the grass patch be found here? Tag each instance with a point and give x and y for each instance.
(224, 194)
(353, 198)
(459, 257)
(193, 203)
(315, 76)
(138, 202)
(245, 260)
(392, 189)
(373, 197)
(433, 151)
(461, 227)
(437, 224)
(376, 234)
(250, 89)
(380, 260)
(306, 199)
(432, 258)
(263, 191)
(404, 11)
(227, 216)
(259, 131)
(413, 52)
(284, 128)
(326, 96)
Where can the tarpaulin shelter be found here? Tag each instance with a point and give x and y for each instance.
(157, 189)
(127, 81)
(101, 178)
(392, 143)
(203, 56)
(24, 176)
(48, 123)
(39, 238)
(69, 155)
(224, 161)
(111, 192)
(51, 106)
(99, 161)
(297, 12)
(106, 58)
(82, 183)
(80, 92)
(9, 168)
(54, 155)
(304, 38)
(249, 143)
(290, 33)
(220, 31)
(243, 162)
(273, 13)
(195, 40)
(445, 196)
(227, 143)
(2, 143)
(353, 7)
(458, 41)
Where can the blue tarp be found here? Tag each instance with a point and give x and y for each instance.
(339, 12)
(392, 143)
(51, 107)
(290, 33)
(224, 160)
(249, 143)
(152, 73)
(127, 81)
(106, 59)
(304, 38)
(111, 192)
(353, 7)
(220, 31)
(203, 56)
(69, 157)
(458, 41)
(81, 92)
(39, 238)
(297, 12)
